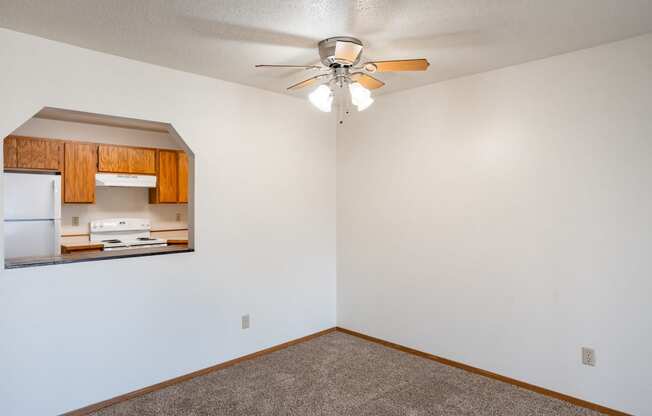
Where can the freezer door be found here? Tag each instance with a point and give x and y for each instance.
(32, 196)
(32, 238)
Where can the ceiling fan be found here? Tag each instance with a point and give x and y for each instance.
(344, 78)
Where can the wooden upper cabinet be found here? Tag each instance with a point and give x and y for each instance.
(123, 159)
(168, 176)
(10, 155)
(172, 178)
(142, 161)
(183, 177)
(112, 159)
(33, 153)
(79, 174)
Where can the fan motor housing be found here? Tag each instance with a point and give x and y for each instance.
(327, 51)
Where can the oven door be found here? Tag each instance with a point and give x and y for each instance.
(115, 247)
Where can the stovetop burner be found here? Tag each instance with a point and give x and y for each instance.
(124, 234)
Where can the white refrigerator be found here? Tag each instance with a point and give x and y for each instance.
(32, 225)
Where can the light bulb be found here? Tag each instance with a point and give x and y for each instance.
(322, 98)
(360, 96)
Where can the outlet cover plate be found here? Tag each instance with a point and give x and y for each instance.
(588, 356)
(245, 321)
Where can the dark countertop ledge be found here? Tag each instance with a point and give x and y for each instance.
(94, 256)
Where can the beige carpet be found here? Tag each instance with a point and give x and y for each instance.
(338, 374)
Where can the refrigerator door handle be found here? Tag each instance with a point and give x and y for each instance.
(56, 236)
(56, 212)
(56, 199)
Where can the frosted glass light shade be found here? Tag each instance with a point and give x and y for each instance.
(322, 98)
(360, 96)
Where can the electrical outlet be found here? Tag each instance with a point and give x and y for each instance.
(245, 321)
(178, 217)
(588, 356)
(75, 221)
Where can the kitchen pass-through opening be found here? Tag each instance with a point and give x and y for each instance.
(84, 187)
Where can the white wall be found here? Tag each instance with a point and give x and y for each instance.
(504, 220)
(265, 236)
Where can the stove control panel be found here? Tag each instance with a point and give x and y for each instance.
(120, 224)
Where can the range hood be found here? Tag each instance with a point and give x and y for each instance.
(125, 180)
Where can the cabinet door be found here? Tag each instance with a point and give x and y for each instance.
(142, 161)
(183, 177)
(32, 153)
(10, 152)
(125, 159)
(79, 172)
(168, 176)
(113, 159)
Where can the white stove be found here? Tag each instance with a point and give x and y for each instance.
(124, 234)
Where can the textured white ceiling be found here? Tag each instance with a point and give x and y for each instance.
(225, 38)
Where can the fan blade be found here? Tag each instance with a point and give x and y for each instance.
(398, 65)
(289, 66)
(347, 52)
(367, 81)
(306, 82)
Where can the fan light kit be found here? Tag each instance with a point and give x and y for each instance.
(344, 80)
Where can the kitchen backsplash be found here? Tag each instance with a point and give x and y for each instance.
(126, 203)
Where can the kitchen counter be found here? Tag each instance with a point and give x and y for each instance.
(70, 248)
(94, 256)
